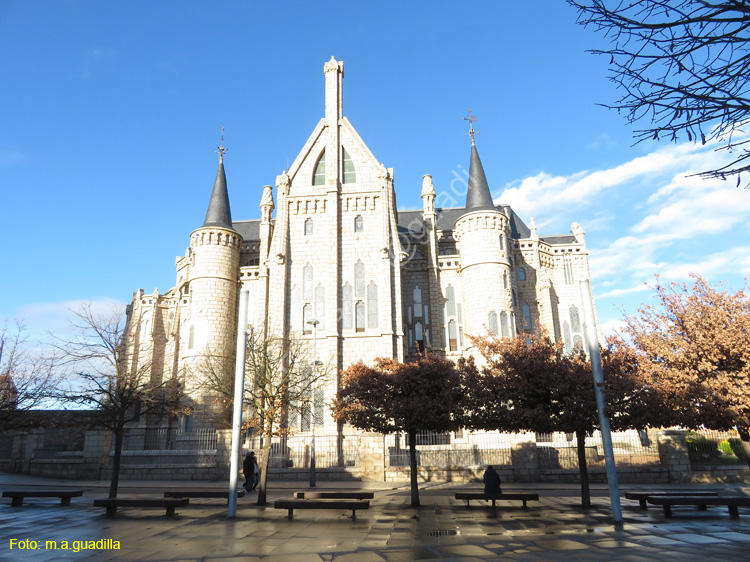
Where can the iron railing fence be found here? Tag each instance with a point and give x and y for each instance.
(710, 448)
(330, 450)
(169, 439)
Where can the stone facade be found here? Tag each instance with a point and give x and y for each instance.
(380, 282)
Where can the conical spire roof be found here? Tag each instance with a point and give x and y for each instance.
(478, 196)
(218, 213)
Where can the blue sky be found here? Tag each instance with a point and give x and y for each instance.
(111, 113)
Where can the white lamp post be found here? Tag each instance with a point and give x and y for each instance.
(314, 323)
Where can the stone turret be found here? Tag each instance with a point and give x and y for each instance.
(482, 234)
(209, 331)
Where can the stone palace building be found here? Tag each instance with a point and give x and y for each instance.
(379, 282)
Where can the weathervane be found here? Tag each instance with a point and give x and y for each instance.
(221, 148)
(471, 119)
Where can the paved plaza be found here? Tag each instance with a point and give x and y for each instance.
(555, 528)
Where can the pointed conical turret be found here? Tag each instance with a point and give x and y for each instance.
(478, 196)
(218, 213)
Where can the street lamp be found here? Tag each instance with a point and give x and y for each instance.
(314, 323)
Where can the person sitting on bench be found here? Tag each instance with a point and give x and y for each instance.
(492, 482)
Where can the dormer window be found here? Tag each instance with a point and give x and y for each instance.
(319, 177)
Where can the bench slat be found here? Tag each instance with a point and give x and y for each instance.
(202, 494)
(521, 496)
(732, 503)
(642, 497)
(17, 496)
(334, 495)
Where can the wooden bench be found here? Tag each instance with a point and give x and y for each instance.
(202, 494)
(355, 495)
(642, 496)
(732, 503)
(291, 505)
(113, 503)
(522, 496)
(64, 495)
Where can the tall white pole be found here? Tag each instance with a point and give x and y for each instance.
(601, 403)
(239, 387)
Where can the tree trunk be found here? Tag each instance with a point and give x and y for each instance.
(264, 458)
(116, 464)
(583, 468)
(413, 468)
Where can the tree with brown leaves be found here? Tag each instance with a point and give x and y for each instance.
(425, 395)
(530, 384)
(694, 345)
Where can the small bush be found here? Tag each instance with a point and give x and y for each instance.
(737, 449)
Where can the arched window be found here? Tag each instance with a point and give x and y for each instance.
(504, 324)
(577, 342)
(505, 279)
(306, 317)
(319, 178)
(419, 336)
(347, 306)
(521, 274)
(492, 322)
(450, 296)
(350, 174)
(359, 279)
(526, 316)
(320, 305)
(359, 224)
(307, 282)
(308, 227)
(502, 243)
(359, 313)
(452, 336)
(575, 321)
(566, 338)
(191, 337)
(372, 305)
(417, 298)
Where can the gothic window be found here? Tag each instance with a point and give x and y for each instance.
(318, 406)
(502, 244)
(452, 336)
(144, 330)
(307, 282)
(578, 342)
(426, 314)
(492, 322)
(526, 316)
(419, 336)
(417, 298)
(306, 416)
(408, 313)
(461, 337)
(347, 306)
(306, 317)
(372, 305)
(505, 279)
(319, 178)
(293, 418)
(320, 305)
(191, 337)
(308, 227)
(450, 296)
(359, 279)
(521, 274)
(359, 313)
(186, 288)
(575, 321)
(504, 324)
(568, 269)
(350, 174)
(359, 224)
(411, 338)
(566, 338)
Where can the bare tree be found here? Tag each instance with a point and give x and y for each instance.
(27, 378)
(112, 377)
(681, 66)
(280, 380)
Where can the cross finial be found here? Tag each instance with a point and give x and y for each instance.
(471, 119)
(221, 148)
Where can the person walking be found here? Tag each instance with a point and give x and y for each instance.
(249, 469)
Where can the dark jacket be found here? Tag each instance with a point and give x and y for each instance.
(491, 482)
